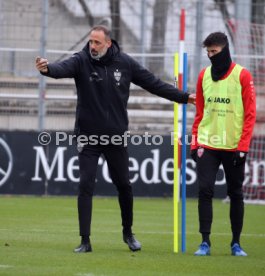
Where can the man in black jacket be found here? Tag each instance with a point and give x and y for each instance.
(103, 75)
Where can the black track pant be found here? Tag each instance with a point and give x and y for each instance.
(118, 164)
(207, 168)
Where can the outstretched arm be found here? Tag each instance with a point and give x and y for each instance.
(148, 81)
(68, 68)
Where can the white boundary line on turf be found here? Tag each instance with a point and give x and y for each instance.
(5, 266)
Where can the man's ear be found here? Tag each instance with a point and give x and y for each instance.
(109, 42)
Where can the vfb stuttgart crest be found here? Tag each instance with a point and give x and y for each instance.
(6, 161)
(117, 76)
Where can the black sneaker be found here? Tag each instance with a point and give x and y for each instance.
(83, 248)
(133, 244)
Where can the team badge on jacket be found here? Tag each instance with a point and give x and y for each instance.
(117, 76)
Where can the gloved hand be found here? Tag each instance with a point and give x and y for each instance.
(193, 154)
(239, 158)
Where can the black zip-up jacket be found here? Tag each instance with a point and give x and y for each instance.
(103, 88)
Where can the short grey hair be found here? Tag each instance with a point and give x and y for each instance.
(102, 28)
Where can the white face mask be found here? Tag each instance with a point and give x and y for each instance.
(98, 55)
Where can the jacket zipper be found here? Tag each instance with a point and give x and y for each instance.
(107, 92)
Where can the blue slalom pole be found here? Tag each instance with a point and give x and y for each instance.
(183, 156)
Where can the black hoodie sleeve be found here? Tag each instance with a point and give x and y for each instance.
(148, 81)
(68, 68)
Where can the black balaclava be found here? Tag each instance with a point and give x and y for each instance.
(220, 63)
